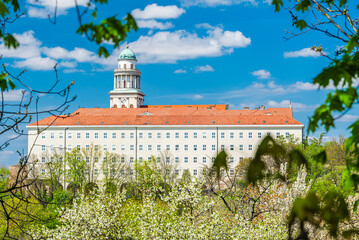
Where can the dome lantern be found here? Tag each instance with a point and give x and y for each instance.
(127, 54)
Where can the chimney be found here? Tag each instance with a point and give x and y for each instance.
(261, 108)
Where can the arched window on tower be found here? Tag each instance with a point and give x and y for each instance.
(124, 66)
(115, 106)
(123, 106)
(131, 106)
(131, 66)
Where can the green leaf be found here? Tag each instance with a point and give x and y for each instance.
(301, 24)
(321, 157)
(219, 163)
(103, 51)
(277, 4)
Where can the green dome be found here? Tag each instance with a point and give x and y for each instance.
(127, 54)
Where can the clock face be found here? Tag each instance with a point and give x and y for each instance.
(123, 100)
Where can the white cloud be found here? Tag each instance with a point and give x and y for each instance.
(305, 52)
(44, 8)
(297, 107)
(68, 64)
(215, 3)
(348, 118)
(197, 97)
(169, 47)
(29, 47)
(153, 24)
(206, 68)
(204, 26)
(180, 71)
(36, 63)
(14, 95)
(262, 74)
(73, 70)
(154, 11)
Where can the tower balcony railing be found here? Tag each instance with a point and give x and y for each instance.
(128, 69)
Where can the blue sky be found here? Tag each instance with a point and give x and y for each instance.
(189, 52)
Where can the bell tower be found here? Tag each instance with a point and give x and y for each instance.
(126, 92)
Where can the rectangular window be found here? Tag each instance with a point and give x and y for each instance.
(43, 147)
(43, 159)
(287, 134)
(122, 159)
(158, 135)
(222, 147)
(158, 147)
(186, 159)
(204, 147)
(177, 135)
(241, 135)
(132, 135)
(231, 135)
(104, 159)
(149, 158)
(186, 147)
(177, 171)
(52, 147)
(195, 159)
(231, 147)
(69, 147)
(213, 158)
(123, 135)
(52, 135)
(177, 159)
(87, 147)
(96, 159)
(277, 134)
(69, 135)
(194, 172)
(204, 159)
(60, 147)
(132, 147)
(96, 147)
(78, 135)
(231, 172)
(240, 158)
(43, 135)
(96, 135)
(250, 135)
(195, 135)
(167, 147)
(158, 159)
(140, 135)
(114, 147)
(43, 171)
(61, 135)
(222, 134)
(149, 135)
(168, 135)
(105, 147)
(149, 147)
(87, 135)
(204, 135)
(240, 147)
(250, 148)
(140, 147)
(259, 135)
(186, 135)
(79, 147)
(268, 133)
(113, 135)
(213, 135)
(231, 159)
(177, 147)
(195, 147)
(213, 147)
(131, 160)
(168, 159)
(123, 147)
(104, 135)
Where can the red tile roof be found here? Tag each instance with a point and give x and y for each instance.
(173, 115)
(209, 106)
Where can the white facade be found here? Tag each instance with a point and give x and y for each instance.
(187, 147)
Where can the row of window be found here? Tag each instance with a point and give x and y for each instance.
(167, 159)
(150, 147)
(113, 172)
(159, 135)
